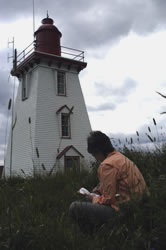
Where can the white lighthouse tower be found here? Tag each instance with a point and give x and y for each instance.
(50, 121)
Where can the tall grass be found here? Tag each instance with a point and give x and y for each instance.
(34, 211)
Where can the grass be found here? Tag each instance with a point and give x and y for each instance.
(34, 211)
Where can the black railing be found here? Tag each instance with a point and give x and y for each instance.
(74, 54)
(25, 53)
(66, 52)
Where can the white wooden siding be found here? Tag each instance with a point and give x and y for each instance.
(41, 106)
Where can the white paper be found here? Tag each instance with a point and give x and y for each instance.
(84, 191)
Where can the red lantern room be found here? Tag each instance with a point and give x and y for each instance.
(47, 47)
(48, 38)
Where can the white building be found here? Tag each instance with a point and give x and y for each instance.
(50, 122)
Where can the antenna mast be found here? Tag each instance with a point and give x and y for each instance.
(33, 17)
(10, 56)
(14, 56)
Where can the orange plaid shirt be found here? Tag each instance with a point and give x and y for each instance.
(119, 178)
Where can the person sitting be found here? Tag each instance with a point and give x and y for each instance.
(119, 179)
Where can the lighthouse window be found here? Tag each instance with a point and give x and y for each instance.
(24, 88)
(65, 125)
(61, 83)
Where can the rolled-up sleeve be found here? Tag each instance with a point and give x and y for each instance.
(108, 182)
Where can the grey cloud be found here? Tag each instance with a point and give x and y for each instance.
(125, 139)
(5, 91)
(158, 131)
(141, 139)
(6, 88)
(11, 10)
(3, 129)
(102, 107)
(91, 24)
(1, 154)
(119, 94)
(131, 141)
(163, 110)
(5, 94)
(111, 20)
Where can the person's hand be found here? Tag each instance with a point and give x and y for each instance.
(90, 196)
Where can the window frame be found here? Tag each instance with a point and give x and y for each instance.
(68, 126)
(61, 84)
(24, 88)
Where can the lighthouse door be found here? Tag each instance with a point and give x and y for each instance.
(72, 163)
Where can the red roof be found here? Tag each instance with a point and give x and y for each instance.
(47, 24)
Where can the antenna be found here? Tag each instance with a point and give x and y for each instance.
(12, 56)
(12, 128)
(33, 17)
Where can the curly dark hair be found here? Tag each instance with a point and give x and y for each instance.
(99, 142)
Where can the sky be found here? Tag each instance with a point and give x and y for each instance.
(125, 47)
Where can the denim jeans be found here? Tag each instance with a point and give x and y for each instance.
(90, 216)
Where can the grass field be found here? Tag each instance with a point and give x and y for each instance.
(34, 211)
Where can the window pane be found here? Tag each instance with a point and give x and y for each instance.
(24, 88)
(65, 124)
(61, 88)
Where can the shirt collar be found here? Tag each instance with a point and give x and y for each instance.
(112, 153)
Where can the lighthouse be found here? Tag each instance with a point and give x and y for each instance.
(50, 122)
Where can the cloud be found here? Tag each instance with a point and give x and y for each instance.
(1, 154)
(114, 96)
(5, 91)
(3, 119)
(91, 24)
(12, 10)
(60, 10)
(120, 94)
(163, 110)
(4, 130)
(102, 107)
(140, 138)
